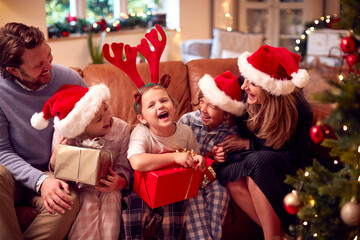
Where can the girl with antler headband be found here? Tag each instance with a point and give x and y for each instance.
(153, 142)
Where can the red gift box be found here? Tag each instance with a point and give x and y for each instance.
(167, 185)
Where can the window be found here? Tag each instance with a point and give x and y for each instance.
(64, 17)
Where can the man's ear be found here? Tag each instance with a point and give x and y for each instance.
(141, 118)
(14, 71)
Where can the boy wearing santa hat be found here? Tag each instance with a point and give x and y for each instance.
(219, 100)
(82, 114)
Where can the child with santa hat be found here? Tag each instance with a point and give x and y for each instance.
(219, 100)
(82, 114)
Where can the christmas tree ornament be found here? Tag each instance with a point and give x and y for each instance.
(292, 202)
(351, 60)
(316, 134)
(348, 44)
(350, 213)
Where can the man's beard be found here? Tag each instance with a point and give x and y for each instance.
(29, 81)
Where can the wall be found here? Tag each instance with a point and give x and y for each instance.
(31, 12)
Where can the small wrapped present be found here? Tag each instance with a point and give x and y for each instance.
(167, 185)
(82, 165)
(209, 173)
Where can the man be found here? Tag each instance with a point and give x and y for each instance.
(28, 79)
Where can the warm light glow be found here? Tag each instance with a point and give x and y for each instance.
(316, 215)
(95, 25)
(312, 202)
(303, 36)
(298, 41)
(341, 77)
(355, 238)
(305, 223)
(297, 48)
(327, 20)
(227, 14)
(108, 29)
(345, 128)
(316, 21)
(322, 18)
(178, 29)
(307, 31)
(315, 235)
(328, 16)
(148, 13)
(359, 149)
(229, 29)
(359, 179)
(312, 28)
(307, 174)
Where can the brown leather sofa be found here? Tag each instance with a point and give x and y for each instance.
(183, 88)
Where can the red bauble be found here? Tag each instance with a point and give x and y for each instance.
(351, 60)
(65, 34)
(348, 44)
(316, 134)
(292, 203)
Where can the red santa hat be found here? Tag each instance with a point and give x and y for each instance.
(275, 69)
(224, 91)
(73, 107)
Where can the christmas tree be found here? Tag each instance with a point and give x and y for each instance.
(327, 199)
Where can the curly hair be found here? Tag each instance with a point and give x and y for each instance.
(15, 38)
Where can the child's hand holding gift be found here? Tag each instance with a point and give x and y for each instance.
(112, 182)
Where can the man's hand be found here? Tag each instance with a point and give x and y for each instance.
(234, 143)
(112, 183)
(54, 193)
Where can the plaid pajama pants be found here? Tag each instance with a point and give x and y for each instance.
(99, 216)
(138, 216)
(206, 212)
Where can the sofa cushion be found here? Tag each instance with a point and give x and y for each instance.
(234, 41)
(122, 89)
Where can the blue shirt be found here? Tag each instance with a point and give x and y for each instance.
(207, 139)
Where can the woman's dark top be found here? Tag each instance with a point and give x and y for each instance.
(268, 167)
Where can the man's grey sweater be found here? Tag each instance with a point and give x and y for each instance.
(25, 151)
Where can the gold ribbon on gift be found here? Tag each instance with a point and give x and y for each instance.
(209, 176)
(192, 153)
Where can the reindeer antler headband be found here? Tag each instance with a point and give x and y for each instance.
(129, 65)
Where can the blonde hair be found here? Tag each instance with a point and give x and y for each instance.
(275, 120)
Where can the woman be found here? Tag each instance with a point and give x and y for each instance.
(275, 136)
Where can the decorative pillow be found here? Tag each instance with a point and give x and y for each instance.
(234, 41)
(229, 54)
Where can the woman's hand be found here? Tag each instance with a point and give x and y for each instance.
(233, 143)
(62, 140)
(112, 182)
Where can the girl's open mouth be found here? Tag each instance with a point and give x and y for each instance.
(163, 115)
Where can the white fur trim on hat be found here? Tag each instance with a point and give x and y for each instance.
(274, 86)
(38, 121)
(219, 98)
(83, 112)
